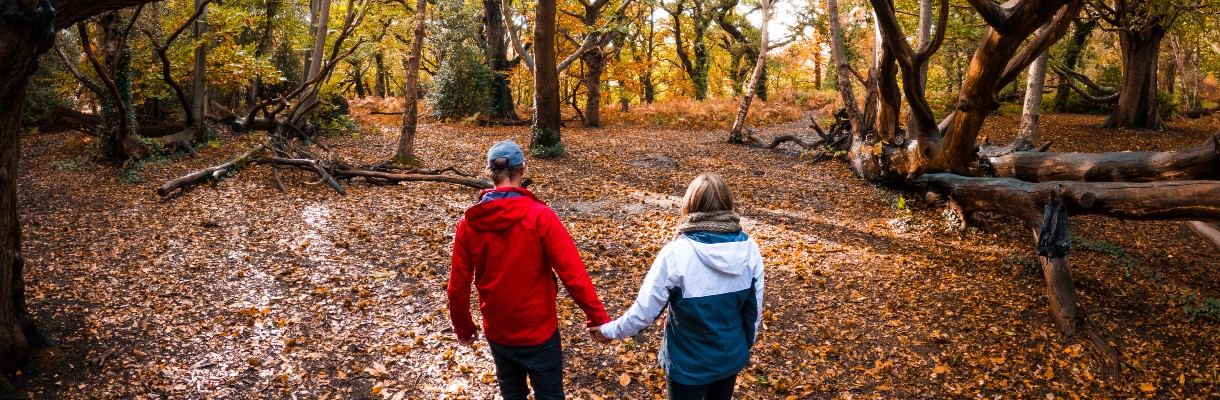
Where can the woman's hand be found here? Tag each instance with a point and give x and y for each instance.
(596, 334)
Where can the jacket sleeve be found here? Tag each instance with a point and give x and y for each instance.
(461, 275)
(654, 295)
(756, 265)
(564, 259)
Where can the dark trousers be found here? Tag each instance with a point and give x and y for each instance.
(718, 390)
(543, 364)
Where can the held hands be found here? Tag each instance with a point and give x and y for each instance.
(468, 342)
(595, 333)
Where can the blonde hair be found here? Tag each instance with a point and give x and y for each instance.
(706, 193)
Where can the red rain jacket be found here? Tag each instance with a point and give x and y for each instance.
(510, 247)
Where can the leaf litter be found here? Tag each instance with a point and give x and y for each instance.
(239, 291)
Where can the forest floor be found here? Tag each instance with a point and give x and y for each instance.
(239, 291)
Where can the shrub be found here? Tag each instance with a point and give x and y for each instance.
(461, 87)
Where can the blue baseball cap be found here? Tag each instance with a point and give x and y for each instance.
(507, 149)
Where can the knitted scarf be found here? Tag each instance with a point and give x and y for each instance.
(725, 221)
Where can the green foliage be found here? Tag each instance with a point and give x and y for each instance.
(1196, 307)
(1118, 256)
(70, 164)
(1009, 109)
(462, 85)
(43, 96)
(331, 117)
(1076, 104)
(545, 143)
(1167, 103)
(135, 171)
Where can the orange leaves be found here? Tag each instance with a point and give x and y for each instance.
(624, 379)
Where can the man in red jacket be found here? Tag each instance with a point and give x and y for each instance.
(513, 247)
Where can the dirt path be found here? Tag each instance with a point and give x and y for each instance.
(238, 291)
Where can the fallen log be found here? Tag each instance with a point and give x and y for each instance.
(1199, 112)
(215, 174)
(392, 178)
(1173, 200)
(67, 118)
(313, 165)
(1202, 162)
(1209, 232)
(778, 140)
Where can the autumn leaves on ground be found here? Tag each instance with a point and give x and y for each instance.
(239, 291)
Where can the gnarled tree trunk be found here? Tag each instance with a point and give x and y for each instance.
(27, 30)
(1137, 99)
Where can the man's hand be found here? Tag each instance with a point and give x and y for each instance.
(595, 333)
(468, 342)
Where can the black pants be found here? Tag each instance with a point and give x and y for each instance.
(718, 390)
(543, 364)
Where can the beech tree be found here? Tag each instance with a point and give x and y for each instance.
(945, 156)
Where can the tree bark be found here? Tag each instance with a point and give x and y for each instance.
(199, 105)
(1137, 97)
(406, 140)
(381, 82)
(1202, 162)
(496, 41)
(696, 69)
(1027, 133)
(736, 132)
(27, 30)
(1176, 200)
(544, 136)
(1210, 232)
(843, 69)
(595, 63)
(314, 70)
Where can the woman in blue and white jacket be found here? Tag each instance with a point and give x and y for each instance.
(711, 277)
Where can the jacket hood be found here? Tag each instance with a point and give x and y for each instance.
(495, 215)
(731, 257)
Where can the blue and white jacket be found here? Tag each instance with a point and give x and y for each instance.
(713, 284)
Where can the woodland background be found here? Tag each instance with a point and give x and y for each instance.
(256, 199)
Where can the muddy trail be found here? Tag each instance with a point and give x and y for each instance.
(239, 291)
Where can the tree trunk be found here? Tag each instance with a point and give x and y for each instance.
(702, 64)
(924, 35)
(595, 63)
(496, 52)
(838, 54)
(1202, 162)
(382, 79)
(199, 105)
(544, 135)
(737, 132)
(1137, 100)
(650, 91)
(26, 31)
(406, 141)
(1027, 133)
(317, 55)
